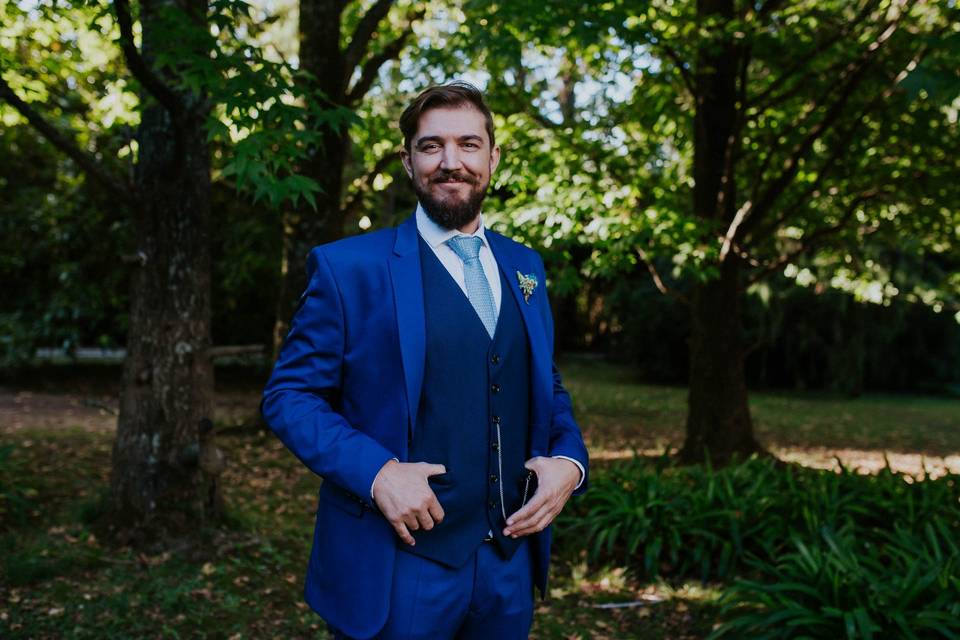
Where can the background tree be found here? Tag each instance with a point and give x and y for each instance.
(343, 46)
(196, 84)
(168, 379)
(673, 135)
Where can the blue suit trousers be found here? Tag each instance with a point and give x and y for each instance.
(488, 598)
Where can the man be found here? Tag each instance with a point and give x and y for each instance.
(417, 380)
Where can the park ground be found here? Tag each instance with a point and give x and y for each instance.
(59, 581)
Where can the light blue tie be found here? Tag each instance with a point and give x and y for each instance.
(478, 288)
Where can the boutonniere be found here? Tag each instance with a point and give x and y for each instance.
(527, 285)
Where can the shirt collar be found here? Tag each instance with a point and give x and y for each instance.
(435, 235)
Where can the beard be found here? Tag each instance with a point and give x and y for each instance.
(452, 212)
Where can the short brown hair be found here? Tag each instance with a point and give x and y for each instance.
(454, 94)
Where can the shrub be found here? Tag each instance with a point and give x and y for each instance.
(813, 554)
(698, 521)
(842, 587)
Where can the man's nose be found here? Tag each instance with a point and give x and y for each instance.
(450, 159)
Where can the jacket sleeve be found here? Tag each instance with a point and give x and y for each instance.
(300, 399)
(565, 437)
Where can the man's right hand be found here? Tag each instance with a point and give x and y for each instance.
(405, 498)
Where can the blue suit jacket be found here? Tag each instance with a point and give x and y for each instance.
(344, 393)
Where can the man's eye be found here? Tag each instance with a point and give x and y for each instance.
(471, 145)
(429, 147)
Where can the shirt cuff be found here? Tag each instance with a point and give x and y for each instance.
(398, 460)
(579, 466)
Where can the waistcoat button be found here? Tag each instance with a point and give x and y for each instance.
(493, 478)
(495, 388)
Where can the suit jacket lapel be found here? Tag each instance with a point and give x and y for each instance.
(408, 299)
(510, 262)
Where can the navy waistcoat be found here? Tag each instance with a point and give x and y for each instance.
(473, 417)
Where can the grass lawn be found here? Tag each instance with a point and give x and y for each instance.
(618, 414)
(58, 581)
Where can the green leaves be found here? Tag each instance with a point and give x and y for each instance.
(836, 586)
(708, 523)
(267, 117)
(598, 134)
(818, 553)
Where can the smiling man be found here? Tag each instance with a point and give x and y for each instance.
(418, 380)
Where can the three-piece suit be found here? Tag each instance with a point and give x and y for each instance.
(387, 359)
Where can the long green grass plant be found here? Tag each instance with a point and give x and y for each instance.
(840, 586)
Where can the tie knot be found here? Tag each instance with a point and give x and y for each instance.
(467, 247)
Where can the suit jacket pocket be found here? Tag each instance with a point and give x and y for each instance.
(342, 499)
(443, 487)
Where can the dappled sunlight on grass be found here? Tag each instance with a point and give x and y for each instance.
(913, 464)
(609, 602)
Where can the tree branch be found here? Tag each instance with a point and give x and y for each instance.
(838, 150)
(139, 67)
(856, 73)
(855, 70)
(658, 42)
(658, 281)
(766, 98)
(840, 146)
(368, 73)
(813, 239)
(362, 35)
(84, 160)
(731, 233)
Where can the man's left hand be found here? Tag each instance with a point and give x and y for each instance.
(556, 480)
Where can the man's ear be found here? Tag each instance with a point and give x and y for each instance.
(407, 165)
(494, 158)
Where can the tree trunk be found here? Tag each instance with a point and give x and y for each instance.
(304, 227)
(157, 487)
(718, 420)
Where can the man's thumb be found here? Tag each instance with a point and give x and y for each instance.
(434, 469)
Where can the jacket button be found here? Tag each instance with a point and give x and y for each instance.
(495, 388)
(495, 359)
(496, 447)
(492, 504)
(496, 419)
(493, 478)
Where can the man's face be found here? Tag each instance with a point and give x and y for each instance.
(450, 163)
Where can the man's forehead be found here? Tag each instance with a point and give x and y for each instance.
(457, 121)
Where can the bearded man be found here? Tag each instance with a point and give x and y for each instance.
(418, 380)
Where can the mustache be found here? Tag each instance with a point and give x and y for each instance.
(446, 176)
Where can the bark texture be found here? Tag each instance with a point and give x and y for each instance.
(718, 419)
(304, 227)
(157, 486)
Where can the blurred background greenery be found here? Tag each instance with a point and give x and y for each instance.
(727, 195)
